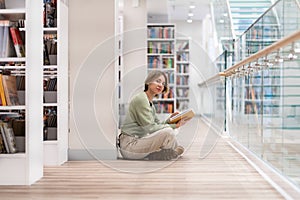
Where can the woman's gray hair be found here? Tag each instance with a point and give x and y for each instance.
(152, 76)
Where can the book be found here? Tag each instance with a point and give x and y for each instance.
(4, 138)
(10, 90)
(17, 41)
(6, 44)
(10, 138)
(2, 94)
(2, 147)
(187, 114)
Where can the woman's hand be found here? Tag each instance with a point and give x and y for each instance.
(172, 115)
(181, 122)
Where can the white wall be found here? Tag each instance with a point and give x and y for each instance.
(92, 72)
(91, 30)
(134, 49)
(200, 61)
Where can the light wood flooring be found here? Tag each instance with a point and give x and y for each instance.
(221, 174)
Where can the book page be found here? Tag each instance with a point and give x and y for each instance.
(188, 114)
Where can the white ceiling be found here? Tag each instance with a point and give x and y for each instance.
(178, 9)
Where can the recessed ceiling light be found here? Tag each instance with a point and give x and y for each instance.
(189, 20)
(190, 14)
(192, 6)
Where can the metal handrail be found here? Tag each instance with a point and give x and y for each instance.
(259, 18)
(230, 19)
(297, 3)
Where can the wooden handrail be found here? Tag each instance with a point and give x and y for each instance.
(262, 53)
(212, 79)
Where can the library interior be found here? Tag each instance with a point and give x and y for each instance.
(70, 70)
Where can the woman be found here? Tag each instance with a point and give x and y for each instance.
(143, 135)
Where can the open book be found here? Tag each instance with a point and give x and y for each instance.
(187, 114)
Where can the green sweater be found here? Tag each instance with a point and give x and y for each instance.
(141, 118)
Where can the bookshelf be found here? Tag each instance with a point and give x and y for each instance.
(55, 82)
(182, 73)
(26, 165)
(161, 55)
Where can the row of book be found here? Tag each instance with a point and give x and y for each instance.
(50, 49)
(183, 56)
(168, 62)
(11, 44)
(182, 46)
(154, 62)
(50, 116)
(167, 95)
(170, 77)
(162, 107)
(182, 80)
(16, 64)
(182, 68)
(50, 123)
(50, 84)
(20, 82)
(49, 13)
(182, 104)
(182, 92)
(161, 32)
(160, 47)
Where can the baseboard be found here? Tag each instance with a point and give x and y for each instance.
(92, 154)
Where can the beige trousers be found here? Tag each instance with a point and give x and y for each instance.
(138, 148)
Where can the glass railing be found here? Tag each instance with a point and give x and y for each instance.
(213, 93)
(222, 22)
(259, 101)
(264, 107)
(280, 20)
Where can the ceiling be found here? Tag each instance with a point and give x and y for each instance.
(178, 9)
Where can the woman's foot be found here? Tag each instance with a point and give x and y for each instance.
(179, 150)
(166, 154)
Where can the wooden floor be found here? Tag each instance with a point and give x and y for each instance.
(222, 174)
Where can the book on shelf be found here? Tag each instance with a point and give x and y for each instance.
(183, 46)
(10, 90)
(187, 114)
(17, 41)
(2, 4)
(6, 44)
(50, 49)
(49, 13)
(46, 59)
(8, 137)
(2, 93)
(2, 146)
(50, 84)
(5, 148)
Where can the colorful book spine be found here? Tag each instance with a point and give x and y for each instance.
(17, 40)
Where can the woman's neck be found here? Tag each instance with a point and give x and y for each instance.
(149, 95)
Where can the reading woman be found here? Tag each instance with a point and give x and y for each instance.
(143, 135)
